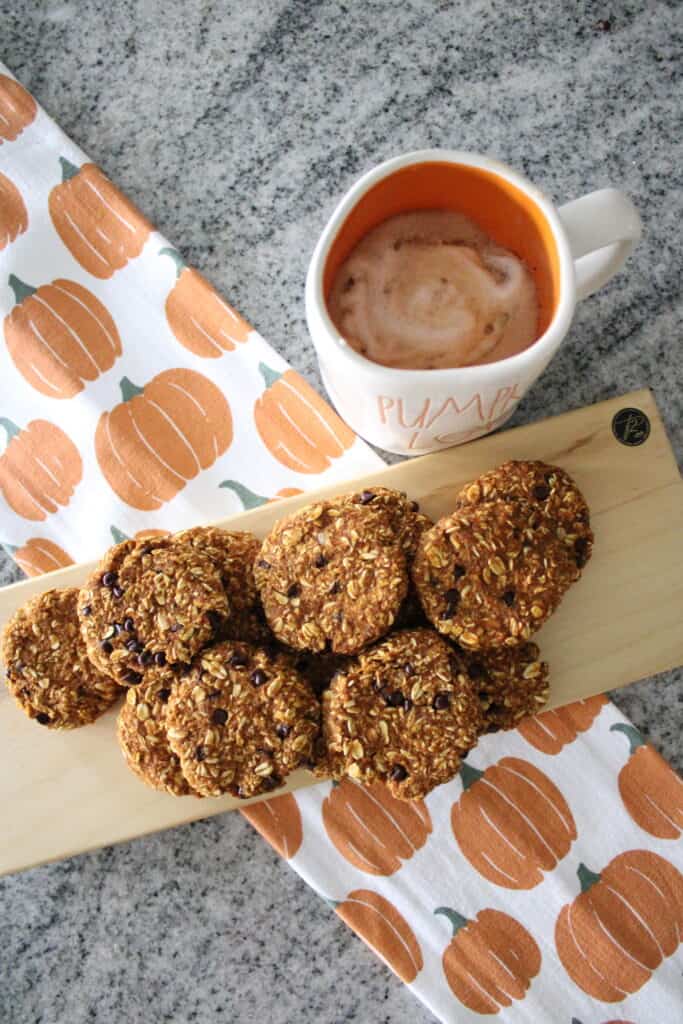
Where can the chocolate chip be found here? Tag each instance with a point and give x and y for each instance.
(199, 753)
(581, 551)
(452, 599)
(282, 731)
(476, 670)
(109, 579)
(541, 492)
(395, 699)
(258, 677)
(237, 660)
(441, 701)
(132, 678)
(134, 645)
(160, 659)
(117, 591)
(145, 658)
(335, 588)
(128, 625)
(86, 610)
(459, 571)
(106, 646)
(294, 590)
(407, 704)
(163, 695)
(509, 598)
(262, 564)
(118, 628)
(365, 497)
(146, 549)
(408, 669)
(414, 506)
(219, 716)
(398, 773)
(320, 561)
(42, 718)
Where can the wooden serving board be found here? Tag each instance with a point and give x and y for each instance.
(64, 793)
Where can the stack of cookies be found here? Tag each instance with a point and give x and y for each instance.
(358, 639)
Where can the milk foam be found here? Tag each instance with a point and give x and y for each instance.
(429, 289)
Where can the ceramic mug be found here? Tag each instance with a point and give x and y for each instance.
(572, 251)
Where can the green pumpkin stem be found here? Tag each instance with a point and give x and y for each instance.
(11, 429)
(456, 919)
(247, 497)
(118, 535)
(21, 291)
(180, 263)
(129, 390)
(269, 376)
(631, 733)
(469, 775)
(332, 903)
(9, 548)
(69, 170)
(587, 878)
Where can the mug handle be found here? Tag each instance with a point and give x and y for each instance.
(602, 228)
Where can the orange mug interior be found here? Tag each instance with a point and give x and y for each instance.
(506, 213)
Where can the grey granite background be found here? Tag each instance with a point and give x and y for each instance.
(236, 126)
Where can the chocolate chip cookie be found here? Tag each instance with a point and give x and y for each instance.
(242, 720)
(142, 735)
(549, 488)
(491, 574)
(511, 683)
(332, 576)
(48, 672)
(150, 603)
(402, 712)
(233, 552)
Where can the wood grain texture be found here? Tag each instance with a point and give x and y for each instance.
(62, 794)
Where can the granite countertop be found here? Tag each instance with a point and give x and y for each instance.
(235, 127)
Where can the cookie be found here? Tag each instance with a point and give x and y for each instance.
(549, 488)
(332, 576)
(511, 683)
(48, 672)
(489, 575)
(402, 713)
(141, 730)
(150, 604)
(242, 720)
(233, 552)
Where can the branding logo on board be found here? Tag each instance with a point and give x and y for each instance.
(631, 427)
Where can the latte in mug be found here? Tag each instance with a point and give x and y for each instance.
(429, 289)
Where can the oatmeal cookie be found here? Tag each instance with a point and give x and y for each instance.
(242, 720)
(511, 683)
(233, 552)
(402, 713)
(489, 575)
(148, 603)
(549, 488)
(142, 736)
(48, 672)
(332, 576)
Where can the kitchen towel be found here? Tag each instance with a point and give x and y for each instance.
(545, 883)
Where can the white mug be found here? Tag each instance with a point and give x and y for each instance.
(572, 251)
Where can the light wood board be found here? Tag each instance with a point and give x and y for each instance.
(64, 793)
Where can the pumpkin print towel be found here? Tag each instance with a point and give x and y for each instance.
(546, 883)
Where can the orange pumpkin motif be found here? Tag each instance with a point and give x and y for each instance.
(297, 427)
(512, 823)
(251, 500)
(39, 469)
(279, 822)
(100, 227)
(17, 109)
(379, 923)
(40, 555)
(625, 921)
(161, 436)
(551, 731)
(651, 790)
(200, 319)
(373, 830)
(490, 961)
(13, 214)
(60, 336)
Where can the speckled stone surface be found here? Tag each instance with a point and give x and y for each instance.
(236, 126)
